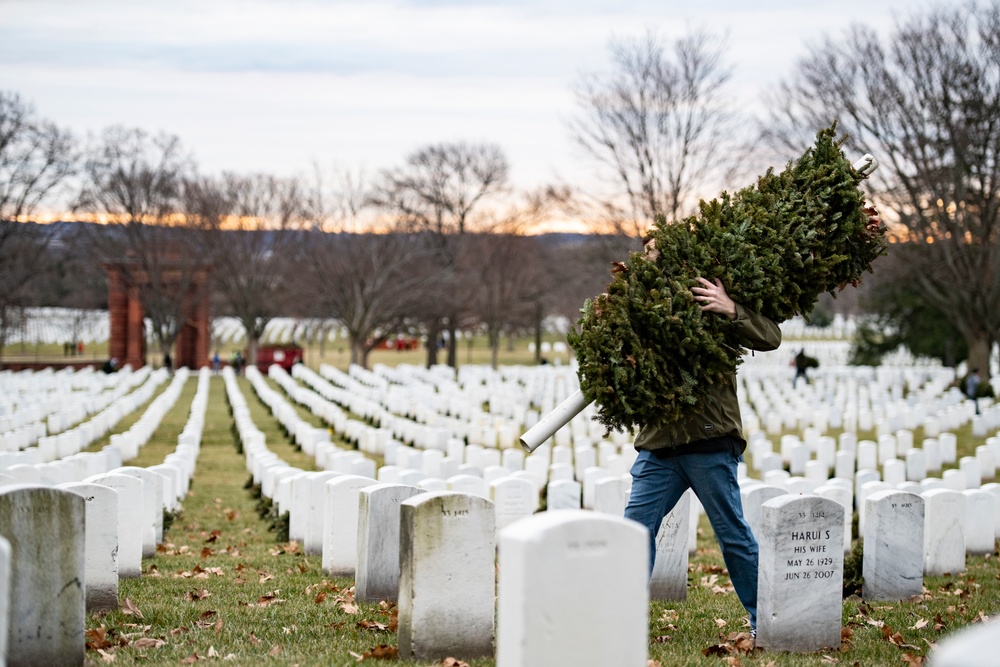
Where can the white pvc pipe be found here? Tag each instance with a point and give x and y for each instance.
(552, 422)
(866, 164)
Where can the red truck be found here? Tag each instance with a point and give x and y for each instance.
(285, 356)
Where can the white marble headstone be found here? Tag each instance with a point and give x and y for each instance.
(562, 494)
(547, 615)
(4, 597)
(513, 499)
(944, 531)
(130, 520)
(446, 593)
(152, 506)
(610, 495)
(45, 527)
(894, 546)
(316, 519)
(753, 499)
(801, 574)
(101, 544)
(670, 565)
(980, 521)
(340, 532)
(378, 540)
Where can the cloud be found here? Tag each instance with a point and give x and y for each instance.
(270, 85)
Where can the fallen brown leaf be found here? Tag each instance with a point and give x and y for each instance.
(453, 662)
(744, 642)
(717, 649)
(129, 609)
(372, 625)
(97, 639)
(196, 595)
(148, 642)
(320, 597)
(913, 660)
(269, 598)
(380, 652)
(194, 657)
(275, 651)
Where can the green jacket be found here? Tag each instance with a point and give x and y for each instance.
(721, 413)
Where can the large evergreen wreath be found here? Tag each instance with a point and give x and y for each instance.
(647, 355)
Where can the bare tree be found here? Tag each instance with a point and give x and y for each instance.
(133, 182)
(339, 200)
(506, 278)
(36, 159)
(658, 123)
(508, 282)
(440, 191)
(253, 231)
(926, 103)
(375, 284)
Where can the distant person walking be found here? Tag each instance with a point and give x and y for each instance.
(801, 364)
(972, 381)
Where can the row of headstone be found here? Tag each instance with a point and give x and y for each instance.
(73, 440)
(64, 547)
(885, 399)
(977, 513)
(471, 468)
(819, 456)
(55, 325)
(34, 404)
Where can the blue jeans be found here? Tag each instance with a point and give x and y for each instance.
(657, 485)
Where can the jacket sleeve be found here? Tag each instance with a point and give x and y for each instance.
(756, 331)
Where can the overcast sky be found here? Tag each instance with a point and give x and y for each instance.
(276, 85)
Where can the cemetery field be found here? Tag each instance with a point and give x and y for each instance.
(336, 353)
(227, 585)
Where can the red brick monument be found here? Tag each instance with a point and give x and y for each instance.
(179, 282)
